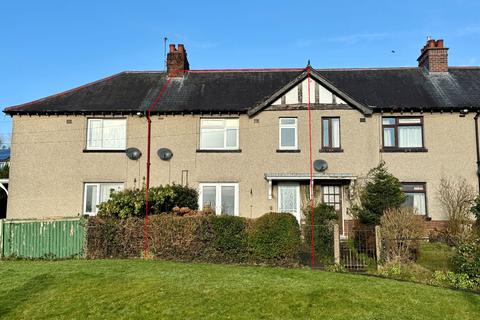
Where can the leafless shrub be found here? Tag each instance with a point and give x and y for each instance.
(456, 196)
(401, 230)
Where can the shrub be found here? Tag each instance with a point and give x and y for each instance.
(454, 280)
(131, 202)
(401, 230)
(275, 238)
(467, 258)
(197, 238)
(457, 197)
(230, 237)
(381, 191)
(475, 210)
(324, 218)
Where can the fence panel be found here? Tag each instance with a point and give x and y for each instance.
(59, 238)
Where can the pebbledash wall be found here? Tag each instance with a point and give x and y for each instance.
(49, 166)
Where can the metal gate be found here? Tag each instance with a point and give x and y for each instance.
(359, 251)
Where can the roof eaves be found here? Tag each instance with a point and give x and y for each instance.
(18, 108)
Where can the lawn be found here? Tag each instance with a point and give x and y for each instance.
(435, 256)
(134, 289)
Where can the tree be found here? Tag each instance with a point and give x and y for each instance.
(457, 197)
(381, 191)
(4, 171)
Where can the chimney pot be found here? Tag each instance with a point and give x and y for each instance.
(172, 47)
(181, 48)
(439, 43)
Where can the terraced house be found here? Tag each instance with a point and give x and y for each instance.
(242, 136)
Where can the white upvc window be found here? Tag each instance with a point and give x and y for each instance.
(219, 134)
(287, 134)
(96, 193)
(106, 134)
(221, 197)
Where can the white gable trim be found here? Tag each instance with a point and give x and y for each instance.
(314, 75)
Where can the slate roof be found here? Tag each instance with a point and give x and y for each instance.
(239, 91)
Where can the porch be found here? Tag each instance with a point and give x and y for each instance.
(291, 191)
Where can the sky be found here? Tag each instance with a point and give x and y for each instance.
(50, 46)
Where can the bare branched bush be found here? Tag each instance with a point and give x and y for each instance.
(401, 230)
(457, 196)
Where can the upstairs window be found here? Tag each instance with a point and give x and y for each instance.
(402, 132)
(288, 137)
(96, 193)
(219, 134)
(416, 197)
(330, 133)
(106, 134)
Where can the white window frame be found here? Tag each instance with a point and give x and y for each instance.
(89, 147)
(97, 184)
(225, 128)
(218, 196)
(290, 184)
(281, 126)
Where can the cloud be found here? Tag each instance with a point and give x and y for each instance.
(358, 37)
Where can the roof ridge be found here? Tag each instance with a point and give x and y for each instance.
(62, 93)
(367, 68)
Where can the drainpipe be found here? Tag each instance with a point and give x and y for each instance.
(147, 185)
(477, 148)
(147, 178)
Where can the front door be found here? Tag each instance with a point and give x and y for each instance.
(289, 198)
(332, 195)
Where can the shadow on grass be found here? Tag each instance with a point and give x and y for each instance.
(14, 298)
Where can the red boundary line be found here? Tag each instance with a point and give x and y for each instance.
(149, 130)
(312, 195)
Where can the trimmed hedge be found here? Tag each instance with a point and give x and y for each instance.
(272, 239)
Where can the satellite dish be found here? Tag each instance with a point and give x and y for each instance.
(165, 154)
(320, 165)
(133, 153)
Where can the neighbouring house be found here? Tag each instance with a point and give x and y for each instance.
(242, 136)
(4, 157)
(4, 164)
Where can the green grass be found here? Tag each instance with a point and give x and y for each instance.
(435, 256)
(134, 289)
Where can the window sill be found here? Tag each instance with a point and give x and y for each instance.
(403, 150)
(288, 151)
(332, 150)
(218, 151)
(103, 151)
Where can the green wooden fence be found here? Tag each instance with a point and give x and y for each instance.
(59, 238)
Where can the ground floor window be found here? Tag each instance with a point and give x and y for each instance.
(331, 195)
(416, 196)
(96, 193)
(289, 198)
(221, 197)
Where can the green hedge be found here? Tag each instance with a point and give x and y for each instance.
(272, 239)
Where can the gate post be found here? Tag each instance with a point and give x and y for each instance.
(336, 244)
(378, 244)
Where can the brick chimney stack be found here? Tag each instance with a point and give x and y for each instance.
(434, 56)
(177, 61)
